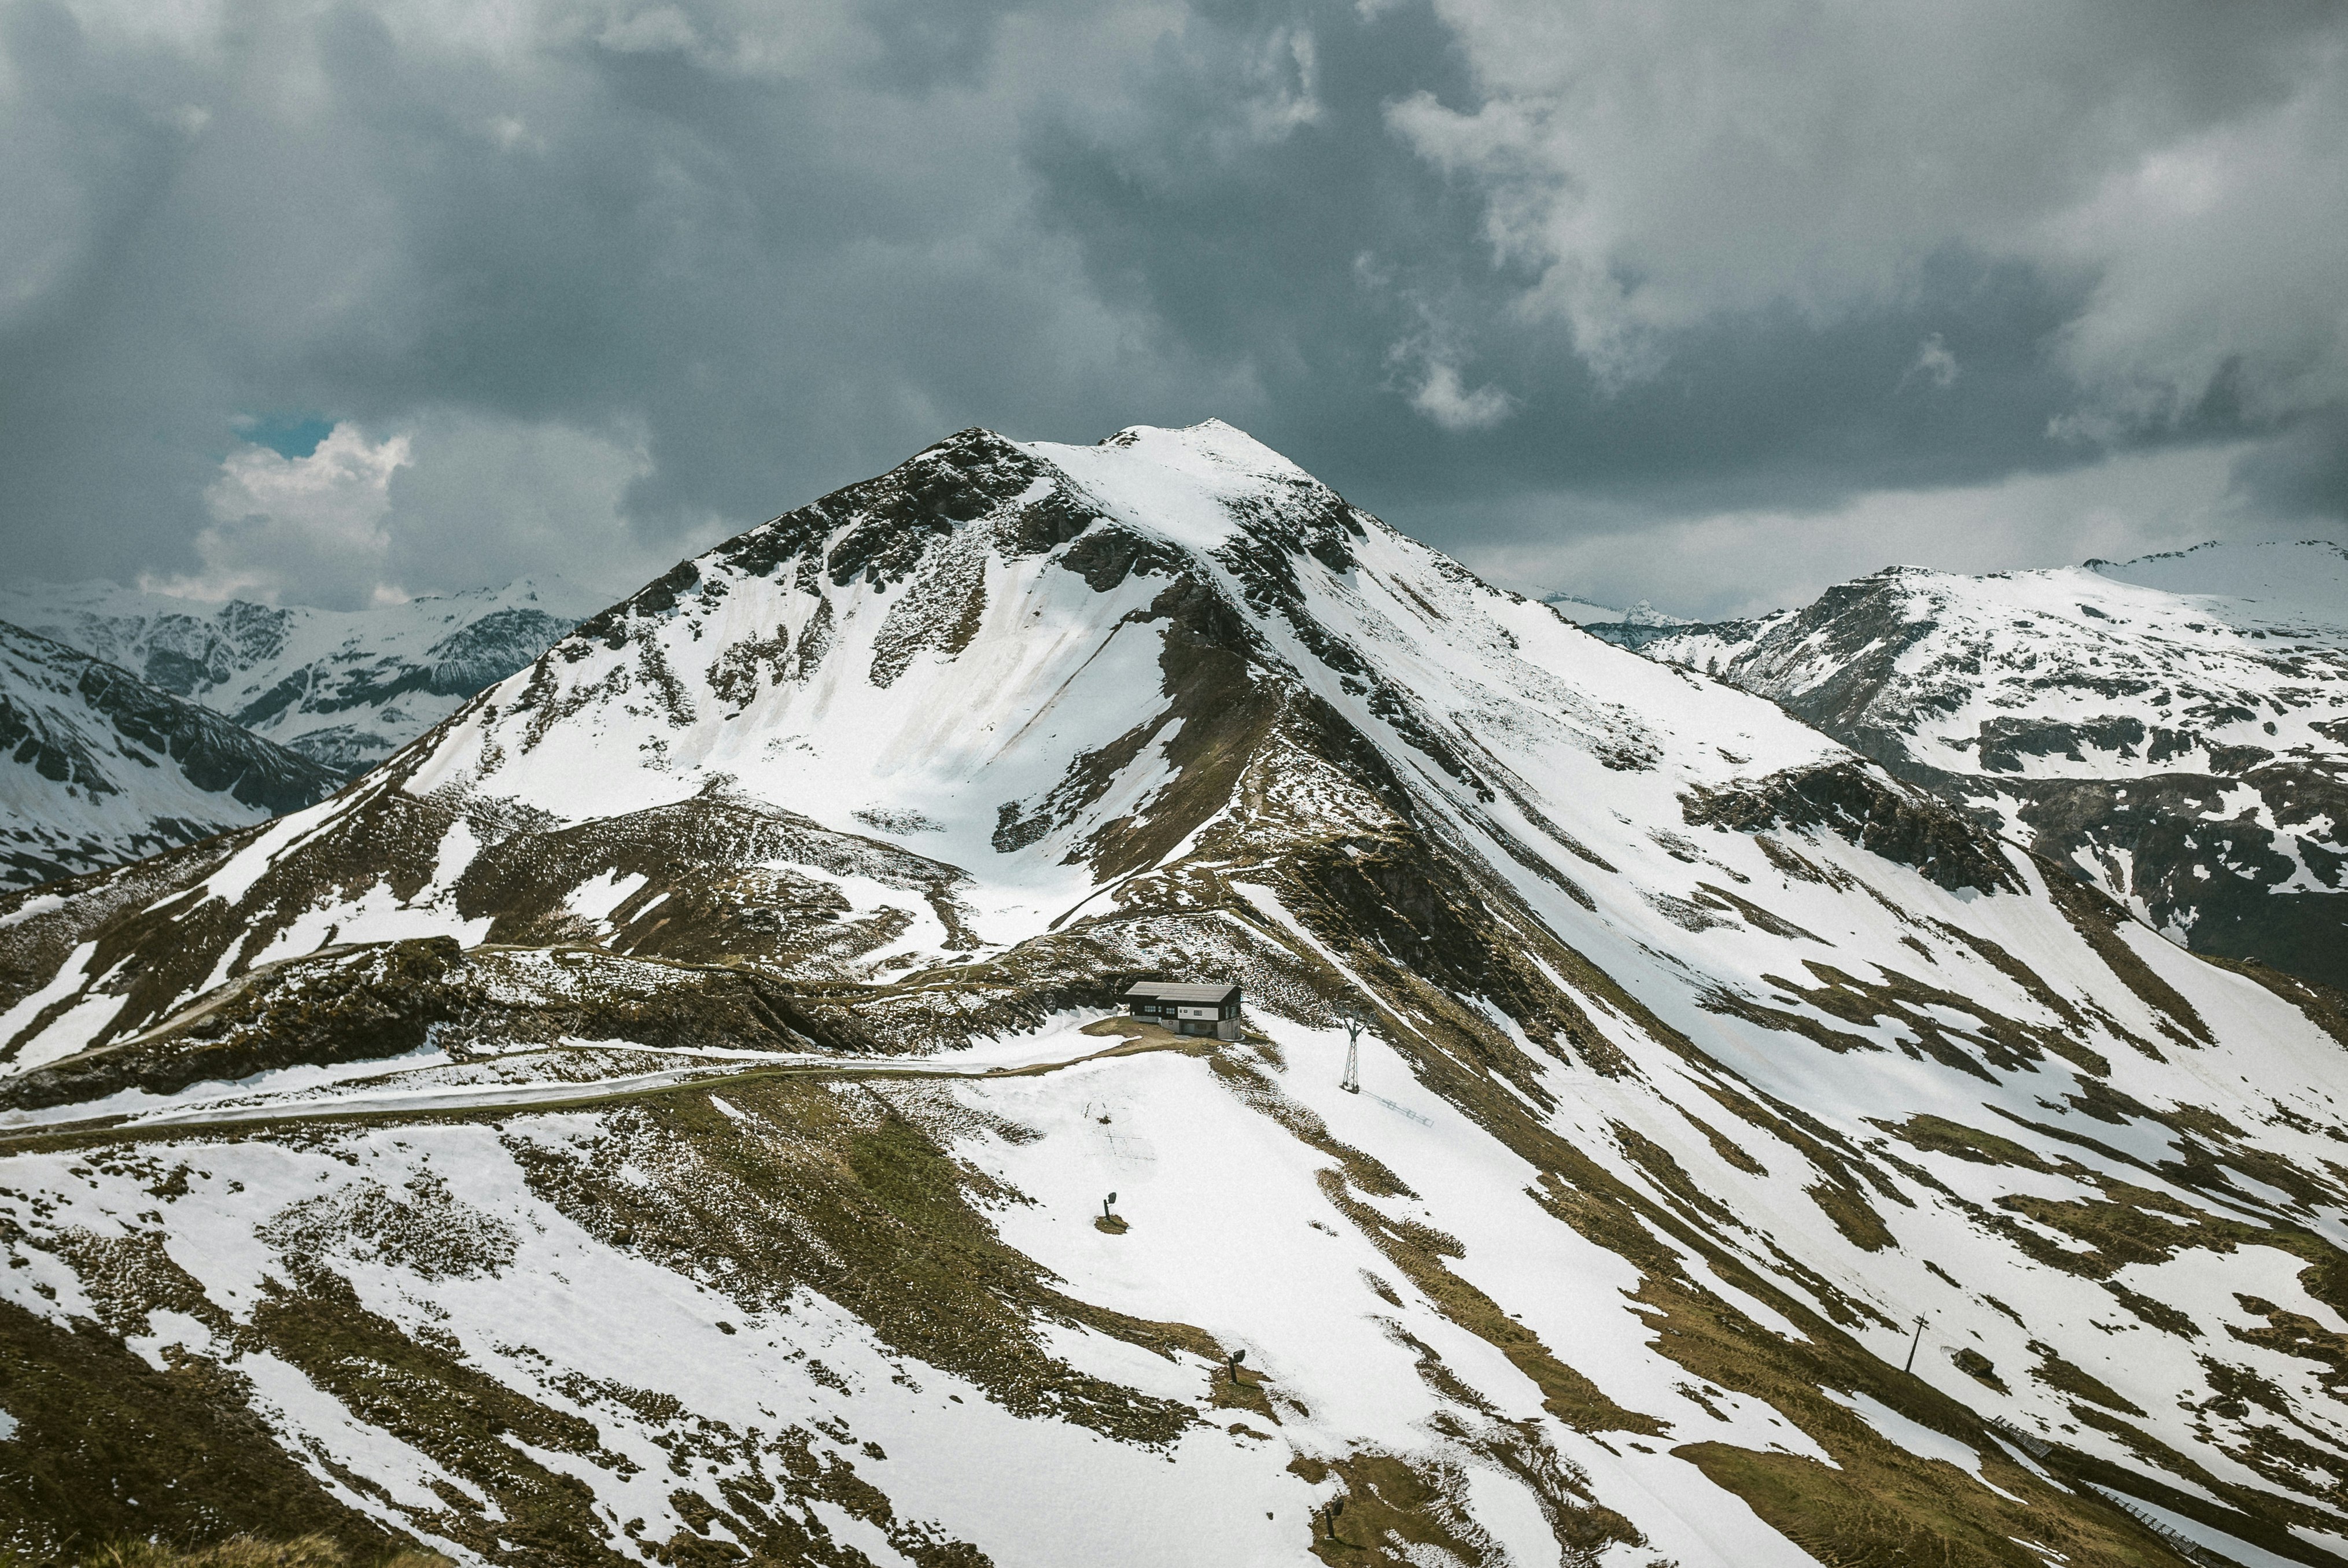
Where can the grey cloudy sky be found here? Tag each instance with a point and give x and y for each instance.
(1707, 303)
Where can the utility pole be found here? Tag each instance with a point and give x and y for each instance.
(1354, 1020)
(1912, 1344)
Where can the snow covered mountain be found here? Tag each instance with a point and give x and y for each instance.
(98, 767)
(2175, 728)
(344, 687)
(671, 1112)
(1624, 627)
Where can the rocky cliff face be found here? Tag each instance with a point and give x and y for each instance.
(2174, 730)
(98, 767)
(669, 1112)
(344, 689)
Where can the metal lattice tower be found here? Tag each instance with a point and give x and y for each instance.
(1355, 1022)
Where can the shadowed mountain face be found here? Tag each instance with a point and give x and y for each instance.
(669, 1112)
(2173, 731)
(343, 688)
(98, 767)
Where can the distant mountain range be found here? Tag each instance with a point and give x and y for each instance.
(2173, 729)
(133, 721)
(98, 767)
(346, 688)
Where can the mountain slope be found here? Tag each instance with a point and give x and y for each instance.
(666, 1114)
(2175, 728)
(343, 688)
(97, 767)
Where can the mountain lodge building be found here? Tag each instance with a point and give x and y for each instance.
(1213, 1009)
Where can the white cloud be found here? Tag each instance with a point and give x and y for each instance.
(2223, 249)
(679, 257)
(1426, 365)
(456, 501)
(663, 30)
(1442, 399)
(488, 499)
(1656, 165)
(316, 521)
(1289, 76)
(1934, 363)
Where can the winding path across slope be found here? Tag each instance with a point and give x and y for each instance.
(400, 1104)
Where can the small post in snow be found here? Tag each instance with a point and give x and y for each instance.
(1912, 1344)
(1236, 1357)
(1355, 1022)
(1104, 1208)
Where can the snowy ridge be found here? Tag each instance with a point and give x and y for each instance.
(1708, 1057)
(2176, 729)
(2280, 589)
(343, 688)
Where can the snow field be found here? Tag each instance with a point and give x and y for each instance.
(1232, 1232)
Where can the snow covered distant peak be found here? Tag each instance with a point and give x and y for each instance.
(2278, 586)
(1644, 613)
(345, 687)
(549, 592)
(1630, 628)
(98, 767)
(2175, 728)
(1581, 611)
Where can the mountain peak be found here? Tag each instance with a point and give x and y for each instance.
(1212, 442)
(546, 590)
(1199, 485)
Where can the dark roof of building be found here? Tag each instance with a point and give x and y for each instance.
(1159, 990)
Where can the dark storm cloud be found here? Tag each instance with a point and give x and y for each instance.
(1335, 262)
(588, 281)
(769, 280)
(2303, 475)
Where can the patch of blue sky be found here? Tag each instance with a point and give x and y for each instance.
(290, 435)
